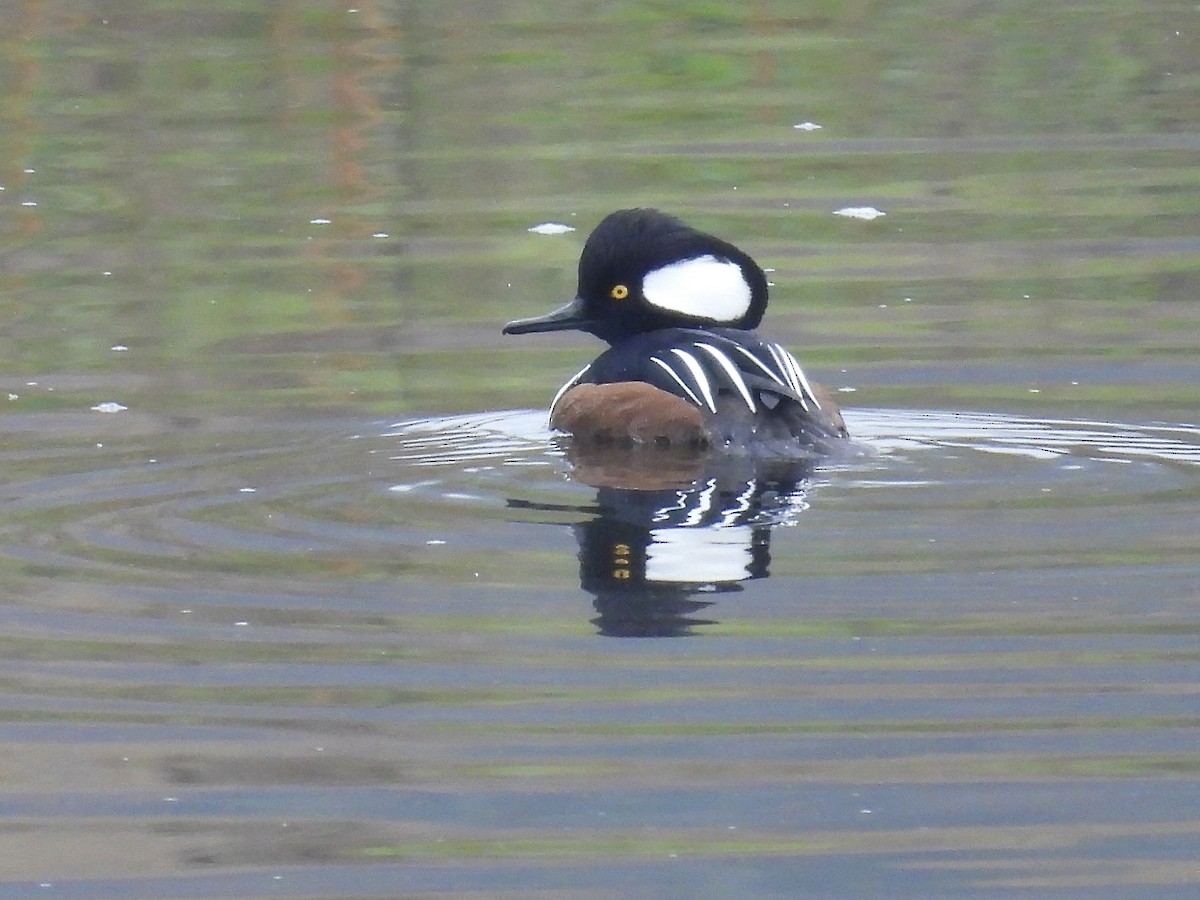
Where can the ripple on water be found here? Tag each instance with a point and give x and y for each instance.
(453, 439)
(896, 443)
(291, 507)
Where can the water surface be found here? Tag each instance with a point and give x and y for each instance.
(318, 608)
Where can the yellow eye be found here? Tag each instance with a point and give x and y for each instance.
(619, 292)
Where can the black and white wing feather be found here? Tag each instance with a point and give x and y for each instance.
(709, 368)
(714, 369)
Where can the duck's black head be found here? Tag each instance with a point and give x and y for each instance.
(642, 270)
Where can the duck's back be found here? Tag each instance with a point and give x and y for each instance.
(718, 387)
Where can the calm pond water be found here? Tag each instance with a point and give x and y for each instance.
(301, 599)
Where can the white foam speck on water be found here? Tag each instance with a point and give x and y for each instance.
(409, 488)
(550, 228)
(866, 213)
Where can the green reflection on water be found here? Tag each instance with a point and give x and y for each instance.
(182, 193)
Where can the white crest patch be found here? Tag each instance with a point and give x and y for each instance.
(703, 287)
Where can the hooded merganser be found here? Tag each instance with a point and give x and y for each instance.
(684, 366)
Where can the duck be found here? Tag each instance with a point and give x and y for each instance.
(685, 367)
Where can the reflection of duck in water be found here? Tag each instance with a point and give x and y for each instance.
(651, 557)
(670, 527)
(684, 367)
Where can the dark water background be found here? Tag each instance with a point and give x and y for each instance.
(306, 617)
